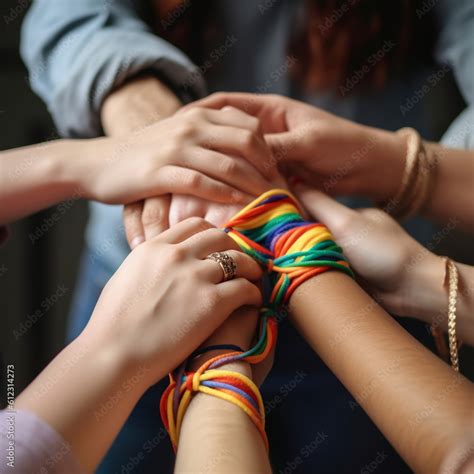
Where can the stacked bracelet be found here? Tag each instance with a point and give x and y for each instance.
(272, 230)
(418, 178)
(224, 384)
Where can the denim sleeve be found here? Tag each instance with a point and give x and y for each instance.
(455, 47)
(77, 51)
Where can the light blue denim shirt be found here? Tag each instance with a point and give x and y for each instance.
(77, 51)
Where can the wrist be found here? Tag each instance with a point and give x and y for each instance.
(86, 163)
(114, 364)
(422, 294)
(241, 366)
(62, 168)
(139, 102)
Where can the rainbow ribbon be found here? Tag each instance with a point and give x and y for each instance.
(270, 229)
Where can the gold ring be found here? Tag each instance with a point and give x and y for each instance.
(226, 262)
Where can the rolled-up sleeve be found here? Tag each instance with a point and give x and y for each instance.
(455, 47)
(77, 52)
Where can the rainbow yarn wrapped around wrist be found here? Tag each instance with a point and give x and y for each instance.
(224, 384)
(272, 230)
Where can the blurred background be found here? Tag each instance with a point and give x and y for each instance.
(38, 263)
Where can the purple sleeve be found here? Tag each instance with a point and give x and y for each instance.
(28, 444)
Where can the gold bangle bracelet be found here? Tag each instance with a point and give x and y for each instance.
(453, 283)
(413, 149)
(417, 180)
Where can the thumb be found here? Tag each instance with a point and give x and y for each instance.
(324, 209)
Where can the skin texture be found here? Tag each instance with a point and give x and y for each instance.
(406, 278)
(139, 331)
(419, 403)
(342, 157)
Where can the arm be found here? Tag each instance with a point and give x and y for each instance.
(420, 404)
(59, 41)
(139, 102)
(452, 193)
(88, 379)
(405, 277)
(217, 436)
(50, 172)
(124, 169)
(139, 331)
(427, 298)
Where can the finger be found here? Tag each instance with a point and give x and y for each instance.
(185, 206)
(246, 267)
(233, 117)
(249, 103)
(132, 220)
(208, 241)
(219, 214)
(232, 170)
(179, 180)
(184, 229)
(236, 293)
(155, 215)
(240, 142)
(268, 108)
(323, 208)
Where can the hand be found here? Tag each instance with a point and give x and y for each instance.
(177, 154)
(166, 298)
(217, 136)
(181, 207)
(334, 154)
(399, 270)
(205, 153)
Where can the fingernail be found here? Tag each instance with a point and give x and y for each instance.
(139, 239)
